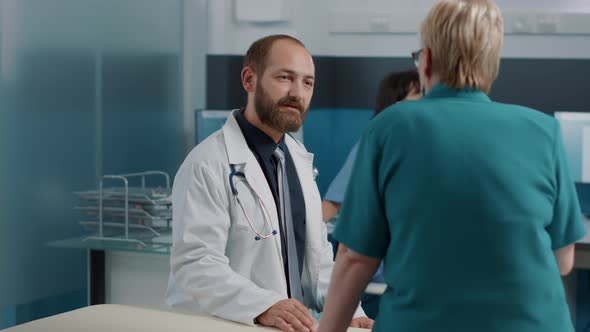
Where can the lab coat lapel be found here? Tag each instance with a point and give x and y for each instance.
(303, 161)
(235, 143)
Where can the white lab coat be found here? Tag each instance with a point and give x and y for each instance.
(217, 267)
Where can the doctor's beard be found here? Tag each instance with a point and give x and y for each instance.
(271, 113)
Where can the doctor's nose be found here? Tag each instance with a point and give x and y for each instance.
(296, 90)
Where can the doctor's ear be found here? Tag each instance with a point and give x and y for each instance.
(248, 79)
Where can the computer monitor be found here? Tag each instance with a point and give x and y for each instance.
(209, 121)
(575, 130)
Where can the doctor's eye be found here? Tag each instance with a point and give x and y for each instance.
(284, 77)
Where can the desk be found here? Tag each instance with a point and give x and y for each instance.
(124, 273)
(139, 277)
(581, 262)
(375, 288)
(132, 275)
(119, 318)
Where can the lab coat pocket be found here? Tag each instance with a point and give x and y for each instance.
(311, 276)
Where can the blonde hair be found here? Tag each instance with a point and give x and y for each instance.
(465, 38)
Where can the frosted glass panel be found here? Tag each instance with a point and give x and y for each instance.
(86, 87)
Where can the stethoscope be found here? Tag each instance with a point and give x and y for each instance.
(266, 215)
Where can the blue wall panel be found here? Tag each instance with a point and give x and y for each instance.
(330, 133)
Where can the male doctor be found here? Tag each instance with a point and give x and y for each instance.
(249, 244)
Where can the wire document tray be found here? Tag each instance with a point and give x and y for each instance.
(127, 213)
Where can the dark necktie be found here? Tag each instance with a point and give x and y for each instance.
(287, 220)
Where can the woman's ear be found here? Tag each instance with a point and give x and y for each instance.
(428, 62)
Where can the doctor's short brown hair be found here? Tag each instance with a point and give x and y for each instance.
(258, 52)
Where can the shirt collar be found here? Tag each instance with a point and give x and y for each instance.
(257, 139)
(442, 91)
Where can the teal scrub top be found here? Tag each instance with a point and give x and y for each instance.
(466, 200)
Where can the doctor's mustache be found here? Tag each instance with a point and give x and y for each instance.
(292, 102)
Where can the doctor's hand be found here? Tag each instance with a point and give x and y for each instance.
(288, 315)
(362, 322)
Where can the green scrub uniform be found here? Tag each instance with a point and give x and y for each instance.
(466, 200)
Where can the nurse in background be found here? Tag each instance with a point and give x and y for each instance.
(393, 88)
(469, 202)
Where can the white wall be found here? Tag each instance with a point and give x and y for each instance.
(566, 5)
(309, 20)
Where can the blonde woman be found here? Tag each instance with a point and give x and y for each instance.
(468, 201)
